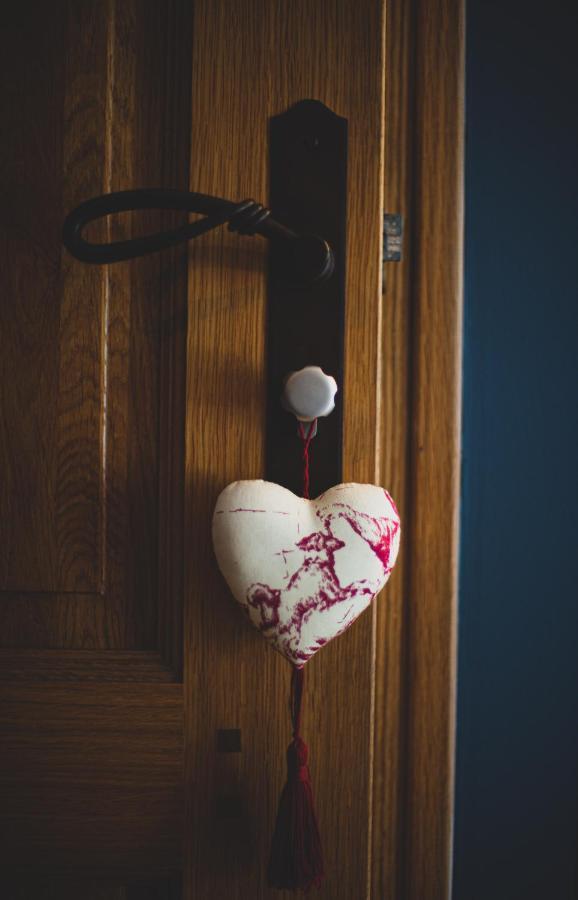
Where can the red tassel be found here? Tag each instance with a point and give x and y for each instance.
(296, 859)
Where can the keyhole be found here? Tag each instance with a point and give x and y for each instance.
(228, 740)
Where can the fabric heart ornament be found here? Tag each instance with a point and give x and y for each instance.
(304, 570)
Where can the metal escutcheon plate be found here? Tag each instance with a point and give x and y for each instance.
(305, 327)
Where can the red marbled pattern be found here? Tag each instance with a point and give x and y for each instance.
(318, 565)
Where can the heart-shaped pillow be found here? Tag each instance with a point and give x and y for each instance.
(304, 570)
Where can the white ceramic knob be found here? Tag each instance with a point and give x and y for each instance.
(309, 393)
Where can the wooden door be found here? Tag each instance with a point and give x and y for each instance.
(132, 394)
(92, 380)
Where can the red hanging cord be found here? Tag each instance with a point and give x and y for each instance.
(306, 437)
(297, 679)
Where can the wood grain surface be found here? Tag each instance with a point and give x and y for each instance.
(51, 666)
(51, 888)
(415, 664)
(93, 370)
(95, 97)
(434, 464)
(391, 617)
(91, 779)
(252, 59)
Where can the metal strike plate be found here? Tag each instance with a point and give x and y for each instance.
(392, 237)
(305, 325)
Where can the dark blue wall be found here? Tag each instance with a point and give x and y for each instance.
(517, 757)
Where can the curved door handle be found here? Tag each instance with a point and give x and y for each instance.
(306, 259)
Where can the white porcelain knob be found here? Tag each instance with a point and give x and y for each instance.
(309, 393)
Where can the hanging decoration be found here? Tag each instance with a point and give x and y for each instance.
(303, 570)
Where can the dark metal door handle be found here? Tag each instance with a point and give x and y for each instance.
(305, 259)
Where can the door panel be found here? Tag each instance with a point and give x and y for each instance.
(91, 777)
(95, 97)
(93, 358)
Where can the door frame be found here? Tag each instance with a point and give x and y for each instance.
(415, 633)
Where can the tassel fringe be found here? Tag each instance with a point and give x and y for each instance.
(296, 858)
